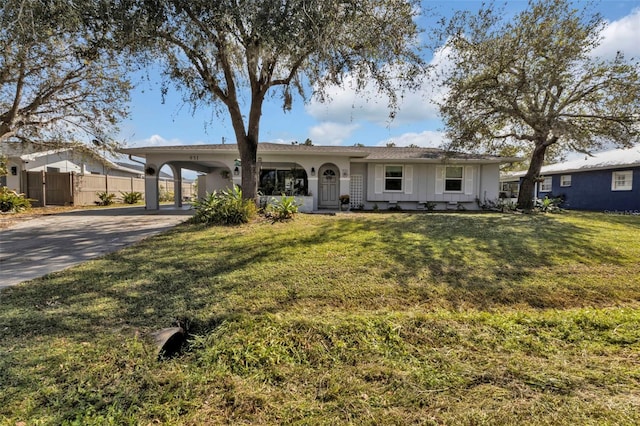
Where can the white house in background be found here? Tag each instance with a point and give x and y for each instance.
(382, 177)
(62, 160)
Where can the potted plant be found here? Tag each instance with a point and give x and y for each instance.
(344, 201)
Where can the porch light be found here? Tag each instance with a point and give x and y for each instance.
(236, 171)
(313, 171)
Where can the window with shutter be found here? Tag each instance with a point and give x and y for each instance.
(393, 178)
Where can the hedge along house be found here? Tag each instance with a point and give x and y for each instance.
(606, 181)
(373, 177)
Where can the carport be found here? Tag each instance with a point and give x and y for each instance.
(218, 162)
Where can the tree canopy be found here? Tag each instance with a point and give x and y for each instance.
(531, 86)
(236, 53)
(59, 80)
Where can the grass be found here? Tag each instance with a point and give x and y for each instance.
(353, 319)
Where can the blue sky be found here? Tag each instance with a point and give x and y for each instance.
(348, 119)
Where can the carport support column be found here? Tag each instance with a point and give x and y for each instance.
(151, 192)
(177, 186)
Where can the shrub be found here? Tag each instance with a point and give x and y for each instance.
(224, 208)
(548, 205)
(165, 196)
(131, 197)
(499, 205)
(12, 202)
(105, 198)
(282, 209)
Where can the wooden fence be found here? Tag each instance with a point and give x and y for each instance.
(53, 189)
(64, 189)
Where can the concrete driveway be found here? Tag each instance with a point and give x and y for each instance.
(47, 244)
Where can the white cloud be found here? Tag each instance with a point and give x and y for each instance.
(157, 140)
(426, 139)
(331, 133)
(621, 35)
(347, 105)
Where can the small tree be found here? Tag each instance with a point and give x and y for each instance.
(532, 86)
(234, 53)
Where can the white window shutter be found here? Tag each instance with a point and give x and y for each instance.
(468, 180)
(408, 179)
(379, 179)
(439, 180)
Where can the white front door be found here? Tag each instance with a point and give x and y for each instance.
(329, 186)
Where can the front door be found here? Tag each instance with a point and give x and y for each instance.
(329, 186)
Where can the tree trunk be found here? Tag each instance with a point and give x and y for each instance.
(248, 157)
(527, 186)
(247, 146)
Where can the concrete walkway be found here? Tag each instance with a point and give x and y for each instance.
(47, 244)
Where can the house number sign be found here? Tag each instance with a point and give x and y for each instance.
(193, 157)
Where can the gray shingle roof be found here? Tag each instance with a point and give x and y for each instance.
(365, 153)
(612, 159)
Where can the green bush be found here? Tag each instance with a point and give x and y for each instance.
(165, 196)
(131, 197)
(105, 198)
(282, 209)
(224, 208)
(11, 201)
(548, 205)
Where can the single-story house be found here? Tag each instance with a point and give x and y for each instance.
(606, 181)
(373, 177)
(21, 158)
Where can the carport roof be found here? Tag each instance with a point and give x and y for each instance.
(358, 153)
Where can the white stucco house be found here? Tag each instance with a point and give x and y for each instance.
(24, 158)
(373, 177)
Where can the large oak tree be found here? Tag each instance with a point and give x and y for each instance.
(532, 86)
(235, 53)
(60, 79)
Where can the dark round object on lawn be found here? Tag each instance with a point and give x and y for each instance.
(169, 341)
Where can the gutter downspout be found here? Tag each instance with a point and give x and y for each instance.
(136, 161)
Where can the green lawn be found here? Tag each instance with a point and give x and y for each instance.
(349, 319)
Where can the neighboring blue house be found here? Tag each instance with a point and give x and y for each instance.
(606, 181)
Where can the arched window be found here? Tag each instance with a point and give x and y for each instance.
(329, 175)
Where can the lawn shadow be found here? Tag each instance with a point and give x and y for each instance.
(480, 261)
(127, 291)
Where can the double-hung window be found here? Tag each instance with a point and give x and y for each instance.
(565, 180)
(454, 179)
(393, 178)
(622, 181)
(545, 185)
